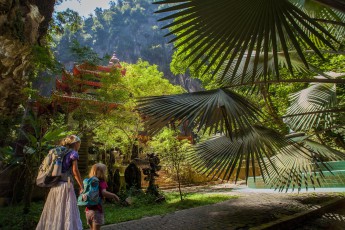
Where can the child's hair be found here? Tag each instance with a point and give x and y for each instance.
(70, 141)
(99, 170)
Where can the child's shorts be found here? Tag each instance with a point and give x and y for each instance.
(94, 216)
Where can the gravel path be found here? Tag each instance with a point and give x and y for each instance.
(251, 209)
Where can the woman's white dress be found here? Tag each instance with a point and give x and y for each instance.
(60, 210)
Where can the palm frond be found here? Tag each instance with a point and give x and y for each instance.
(216, 31)
(310, 101)
(301, 166)
(246, 72)
(335, 4)
(320, 150)
(293, 168)
(331, 18)
(223, 158)
(219, 110)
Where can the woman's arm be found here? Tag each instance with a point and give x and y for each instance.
(76, 174)
(110, 195)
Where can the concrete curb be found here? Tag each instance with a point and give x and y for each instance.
(288, 222)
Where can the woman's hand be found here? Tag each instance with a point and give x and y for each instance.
(81, 190)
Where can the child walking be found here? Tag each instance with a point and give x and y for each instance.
(95, 214)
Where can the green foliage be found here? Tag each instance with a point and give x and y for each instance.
(113, 88)
(7, 155)
(172, 150)
(68, 19)
(11, 217)
(251, 44)
(143, 79)
(179, 65)
(169, 147)
(117, 129)
(44, 60)
(130, 29)
(40, 137)
(120, 128)
(83, 54)
(143, 207)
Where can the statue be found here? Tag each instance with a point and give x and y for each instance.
(151, 174)
(116, 181)
(133, 177)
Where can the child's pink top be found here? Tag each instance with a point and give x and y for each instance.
(102, 185)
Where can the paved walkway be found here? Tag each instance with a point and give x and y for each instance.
(253, 208)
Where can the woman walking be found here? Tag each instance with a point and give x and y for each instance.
(60, 211)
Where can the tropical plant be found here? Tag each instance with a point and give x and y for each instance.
(172, 150)
(119, 129)
(39, 138)
(250, 43)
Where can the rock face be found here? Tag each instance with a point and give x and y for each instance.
(14, 67)
(22, 25)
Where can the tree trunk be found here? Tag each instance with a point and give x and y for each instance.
(177, 169)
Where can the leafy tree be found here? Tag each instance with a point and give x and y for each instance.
(119, 129)
(172, 150)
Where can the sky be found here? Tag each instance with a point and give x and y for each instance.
(83, 7)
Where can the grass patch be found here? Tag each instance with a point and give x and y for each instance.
(143, 205)
(12, 217)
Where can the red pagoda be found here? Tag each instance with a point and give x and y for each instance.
(81, 85)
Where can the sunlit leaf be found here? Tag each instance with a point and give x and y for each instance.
(224, 158)
(216, 31)
(219, 110)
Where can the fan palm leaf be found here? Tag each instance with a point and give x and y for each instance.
(216, 31)
(292, 169)
(219, 110)
(246, 72)
(223, 158)
(332, 19)
(300, 167)
(319, 149)
(335, 4)
(311, 102)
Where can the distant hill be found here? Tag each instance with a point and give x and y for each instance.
(130, 29)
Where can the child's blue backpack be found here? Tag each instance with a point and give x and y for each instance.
(90, 195)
